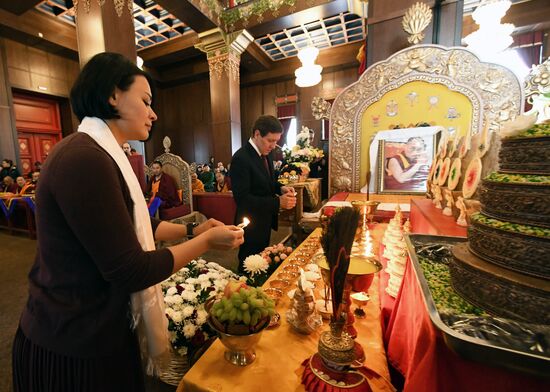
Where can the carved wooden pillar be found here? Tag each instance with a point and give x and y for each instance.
(386, 35)
(106, 28)
(223, 52)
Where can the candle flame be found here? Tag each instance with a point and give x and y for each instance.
(245, 223)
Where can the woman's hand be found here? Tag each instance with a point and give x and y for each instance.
(224, 237)
(205, 226)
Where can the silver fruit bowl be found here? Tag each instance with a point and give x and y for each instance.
(240, 348)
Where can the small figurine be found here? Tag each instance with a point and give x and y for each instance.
(438, 197)
(461, 205)
(448, 210)
(302, 315)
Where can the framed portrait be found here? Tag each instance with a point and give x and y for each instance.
(404, 164)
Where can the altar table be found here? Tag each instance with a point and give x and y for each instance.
(416, 348)
(280, 352)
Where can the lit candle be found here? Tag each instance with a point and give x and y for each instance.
(245, 223)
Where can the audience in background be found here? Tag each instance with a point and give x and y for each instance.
(8, 185)
(207, 178)
(163, 186)
(196, 185)
(127, 148)
(9, 169)
(24, 187)
(222, 184)
(37, 166)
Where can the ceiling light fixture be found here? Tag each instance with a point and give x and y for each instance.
(309, 74)
(492, 36)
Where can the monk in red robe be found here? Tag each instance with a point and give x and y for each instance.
(163, 186)
(409, 169)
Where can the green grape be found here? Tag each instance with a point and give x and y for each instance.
(246, 317)
(271, 312)
(228, 306)
(244, 306)
(219, 313)
(254, 319)
(257, 303)
(239, 315)
(244, 295)
(232, 314)
(223, 317)
(264, 312)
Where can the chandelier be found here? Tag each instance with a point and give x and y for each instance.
(492, 36)
(309, 74)
(119, 5)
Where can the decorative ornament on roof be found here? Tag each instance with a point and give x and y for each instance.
(415, 21)
(320, 108)
(119, 5)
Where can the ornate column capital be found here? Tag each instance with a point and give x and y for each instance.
(223, 51)
(216, 42)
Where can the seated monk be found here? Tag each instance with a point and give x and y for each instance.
(409, 169)
(24, 187)
(8, 185)
(221, 184)
(196, 185)
(207, 178)
(163, 186)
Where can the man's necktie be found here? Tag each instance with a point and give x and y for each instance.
(266, 164)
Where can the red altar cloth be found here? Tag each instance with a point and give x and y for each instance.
(416, 348)
(426, 219)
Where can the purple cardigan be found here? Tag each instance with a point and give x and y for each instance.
(88, 259)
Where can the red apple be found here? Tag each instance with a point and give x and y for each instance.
(233, 286)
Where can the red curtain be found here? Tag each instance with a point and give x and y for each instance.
(529, 47)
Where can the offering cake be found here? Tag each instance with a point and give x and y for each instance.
(505, 266)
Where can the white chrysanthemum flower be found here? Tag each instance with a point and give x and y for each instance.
(171, 291)
(202, 316)
(189, 295)
(255, 264)
(189, 330)
(187, 311)
(190, 280)
(176, 317)
(177, 299)
(173, 336)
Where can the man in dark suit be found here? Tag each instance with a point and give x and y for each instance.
(255, 188)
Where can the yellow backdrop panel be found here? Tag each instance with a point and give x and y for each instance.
(411, 104)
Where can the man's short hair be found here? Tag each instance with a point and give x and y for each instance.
(97, 82)
(267, 124)
(157, 163)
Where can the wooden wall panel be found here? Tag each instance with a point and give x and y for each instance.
(184, 116)
(260, 99)
(32, 69)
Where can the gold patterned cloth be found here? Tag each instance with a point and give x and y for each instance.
(312, 191)
(281, 351)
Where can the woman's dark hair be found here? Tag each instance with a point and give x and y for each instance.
(267, 124)
(97, 82)
(157, 162)
(8, 161)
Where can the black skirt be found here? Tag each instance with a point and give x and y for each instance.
(38, 369)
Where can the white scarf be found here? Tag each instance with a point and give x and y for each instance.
(147, 305)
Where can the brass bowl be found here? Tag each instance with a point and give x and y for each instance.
(288, 275)
(292, 268)
(279, 284)
(273, 293)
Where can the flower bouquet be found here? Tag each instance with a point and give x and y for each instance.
(303, 151)
(258, 268)
(185, 293)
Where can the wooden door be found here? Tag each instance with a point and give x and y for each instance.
(38, 127)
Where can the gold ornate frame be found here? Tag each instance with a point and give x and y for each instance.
(495, 92)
